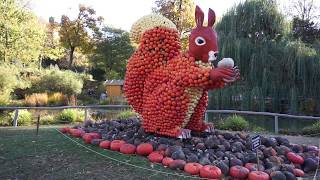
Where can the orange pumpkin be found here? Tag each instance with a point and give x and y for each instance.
(87, 138)
(210, 172)
(77, 133)
(65, 130)
(116, 145)
(298, 172)
(258, 175)
(295, 158)
(166, 161)
(155, 157)
(239, 172)
(105, 144)
(144, 149)
(128, 149)
(192, 168)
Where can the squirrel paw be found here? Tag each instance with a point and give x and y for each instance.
(184, 134)
(209, 128)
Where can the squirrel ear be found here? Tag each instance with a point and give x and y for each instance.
(199, 16)
(211, 18)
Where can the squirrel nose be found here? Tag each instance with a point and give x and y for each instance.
(212, 56)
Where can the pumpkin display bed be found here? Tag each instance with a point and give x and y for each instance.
(214, 154)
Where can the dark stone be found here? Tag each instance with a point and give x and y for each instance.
(277, 175)
(192, 158)
(211, 142)
(223, 167)
(235, 162)
(172, 149)
(250, 157)
(282, 141)
(289, 175)
(227, 136)
(178, 155)
(309, 165)
(200, 146)
(204, 161)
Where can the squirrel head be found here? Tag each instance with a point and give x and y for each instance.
(203, 41)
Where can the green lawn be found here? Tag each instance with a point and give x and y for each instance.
(50, 155)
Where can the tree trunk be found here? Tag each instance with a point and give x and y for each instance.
(71, 56)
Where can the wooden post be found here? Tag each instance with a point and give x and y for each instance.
(85, 114)
(206, 117)
(38, 123)
(276, 125)
(16, 118)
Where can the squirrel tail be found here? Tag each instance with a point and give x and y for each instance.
(157, 46)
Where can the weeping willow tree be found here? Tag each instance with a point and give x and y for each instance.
(278, 75)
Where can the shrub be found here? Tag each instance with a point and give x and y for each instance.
(57, 99)
(126, 114)
(5, 119)
(258, 129)
(70, 116)
(312, 130)
(235, 123)
(55, 80)
(8, 81)
(24, 118)
(47, 120)
(37, 99)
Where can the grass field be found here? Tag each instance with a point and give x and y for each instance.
(50, 155)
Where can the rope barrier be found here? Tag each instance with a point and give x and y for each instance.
(126, 163)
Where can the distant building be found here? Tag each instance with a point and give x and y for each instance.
(114, 88)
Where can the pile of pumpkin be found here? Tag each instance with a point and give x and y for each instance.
(209, 155)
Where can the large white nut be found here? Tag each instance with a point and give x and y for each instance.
(226, 63)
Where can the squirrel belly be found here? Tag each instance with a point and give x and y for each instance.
(172, 102)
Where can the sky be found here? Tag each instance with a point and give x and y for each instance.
(119, 13)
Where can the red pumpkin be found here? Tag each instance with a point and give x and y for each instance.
(105, 144)
(192, 168)
(128, 149)
(65, 130)
(258, 175)
(177, 164)
(155, 157)
(144, 149)
(239, 172)
(116, 145)
(87, 138)
(77, 133)
(166, 161)
(210, 172)
(298, 172)
(71, 130)
(295, 158)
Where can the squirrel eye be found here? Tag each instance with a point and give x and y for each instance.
(200, 41)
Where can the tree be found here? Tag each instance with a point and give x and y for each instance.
(52, 49)
(111, 55)
(258, 20)
(77, 33)
(305, 30)
(180, 12)
(304, 26)
(304, 10)
(276, 71)
(21, 34)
